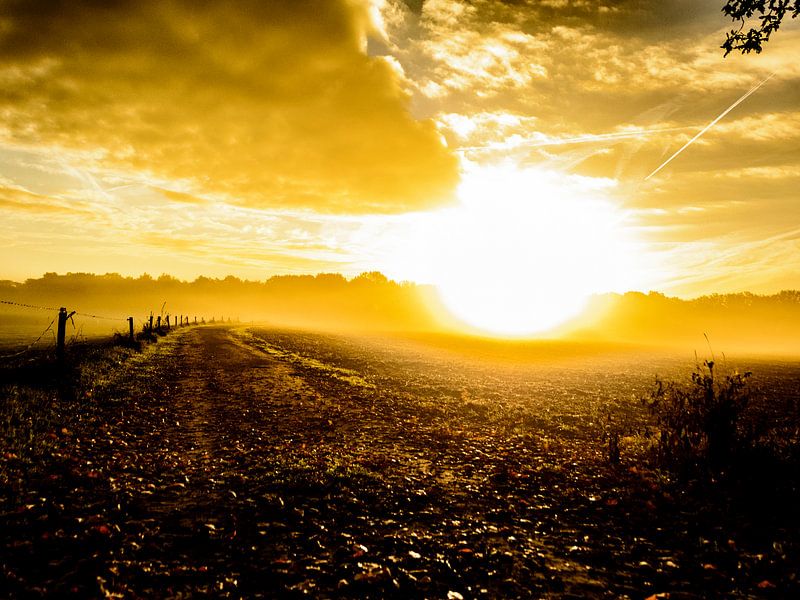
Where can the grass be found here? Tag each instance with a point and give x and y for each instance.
(28, 422)
(700, 426)
(43, 399)
(715, 427)
(347, 376)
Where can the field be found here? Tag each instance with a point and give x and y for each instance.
(258, 462)
(17, 331)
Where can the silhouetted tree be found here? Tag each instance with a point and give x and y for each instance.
(769, 14)
(371, 277)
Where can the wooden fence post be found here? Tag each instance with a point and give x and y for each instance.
(158, 323)
(61, 336)
(167, 321)
(151, 322)
(130, 328)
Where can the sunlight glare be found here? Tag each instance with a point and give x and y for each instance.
(526, 247)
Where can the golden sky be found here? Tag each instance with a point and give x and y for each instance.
(263, 137)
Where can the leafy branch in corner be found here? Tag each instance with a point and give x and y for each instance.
(768, 13)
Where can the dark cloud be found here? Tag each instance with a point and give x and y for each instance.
(273, 103)
(633, 17)
(414, 5)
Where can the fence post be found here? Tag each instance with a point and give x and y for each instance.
(61, 336)
(158, 323)
(151, 322)
(167, 321)
(130, 328)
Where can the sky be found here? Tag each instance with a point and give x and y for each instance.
(266, 137)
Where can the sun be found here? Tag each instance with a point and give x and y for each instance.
(526, 247)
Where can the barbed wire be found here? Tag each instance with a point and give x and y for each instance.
(100, 317)
(79, 330)
(11, 302)
(50, 308)
(32, 344)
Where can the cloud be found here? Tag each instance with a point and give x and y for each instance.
(763, 127)
(17, 200)
(578, 64)
(729, 263)
(271, 104)
(780, 172)
(179, 197)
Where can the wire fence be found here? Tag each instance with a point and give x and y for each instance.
(51, 309)
(22, 304)
(32, 344)
(100, 317)
(150, 325)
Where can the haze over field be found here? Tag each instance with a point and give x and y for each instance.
(514, 155)
(371, 304)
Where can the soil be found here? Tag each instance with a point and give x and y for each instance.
(224, 462)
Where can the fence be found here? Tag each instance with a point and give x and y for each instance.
(150, 325)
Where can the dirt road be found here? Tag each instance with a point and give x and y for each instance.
(219, 463)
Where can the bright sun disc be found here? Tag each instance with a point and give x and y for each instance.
(525, 248)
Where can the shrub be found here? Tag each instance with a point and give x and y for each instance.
(700, 425)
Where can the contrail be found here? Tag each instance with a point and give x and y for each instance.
(744, 97)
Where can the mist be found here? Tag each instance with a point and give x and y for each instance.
(742, 323)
